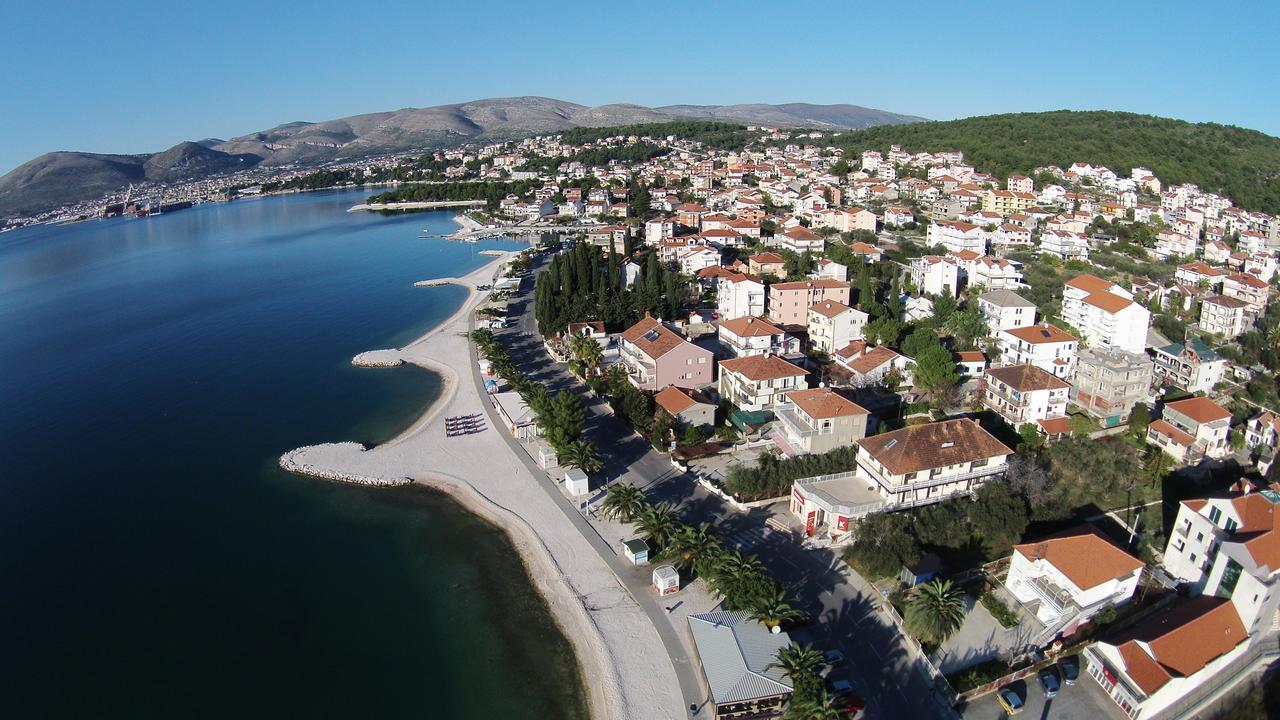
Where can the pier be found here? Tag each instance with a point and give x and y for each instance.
(424, 205)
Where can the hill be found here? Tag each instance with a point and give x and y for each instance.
(65, 177)
(1241, 164)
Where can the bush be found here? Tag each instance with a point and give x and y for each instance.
(1001, 612)
(978, 675)
(773, 477)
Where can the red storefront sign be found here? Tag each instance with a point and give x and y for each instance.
(809, 522)
(842, 523)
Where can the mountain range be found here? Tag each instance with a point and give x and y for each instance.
(60, 178)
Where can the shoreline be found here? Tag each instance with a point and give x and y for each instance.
(618, 653)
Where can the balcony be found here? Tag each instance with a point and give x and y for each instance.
(793, 422)
(985, 471)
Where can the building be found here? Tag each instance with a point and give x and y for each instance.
(922, 464)
(739, 658)
(970, 363)
(789, 302)
(1105, 313)
(1064, 245)
(1225, 316)
(740, 296)
(1191, 429)
(1007, 202)
(1193, 366)
(745, 336)
(833, 325)
(767, 263)
(874, 365)
(1023, 394)
(758, 382)
(1108, 383)
(689, 409)
(936, 275)
(1006, 310)
(1169, 656)
(818, 420)
(1044, 345)
(656, 357)
(1067, 578)
(516, 415)
(957, 236)
(848, 219)
(800, 239)
(1248, 288)
(993, 273)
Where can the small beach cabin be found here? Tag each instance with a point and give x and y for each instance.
(576, 482)
(666, 579)
(637, 551)
(516, 415)
(547, 457)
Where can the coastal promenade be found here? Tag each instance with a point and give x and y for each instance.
(417, 205)
(627, 671)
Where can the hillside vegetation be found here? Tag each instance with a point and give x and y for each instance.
(1242, 164)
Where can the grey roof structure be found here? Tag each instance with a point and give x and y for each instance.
(1005, 298)
(737, 654)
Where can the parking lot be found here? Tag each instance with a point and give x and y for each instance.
(1083, 701)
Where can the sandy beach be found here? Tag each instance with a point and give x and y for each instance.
(626, 669)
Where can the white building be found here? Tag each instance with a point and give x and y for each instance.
(1224, 316)
(1006, 310)
(833, 325)
(1070, 577)
(1045, 346)
(1105, 314)
(1025, 394)
(745, 336)
(1064, 245)
(758, 382)
(740, 296)
(936, 275)
(922, 464)
(957, 236)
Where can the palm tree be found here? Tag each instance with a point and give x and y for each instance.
(582, 455)
(659, 521)
(692, 547)
(734, 567)
(773, 609)
(815, 708)
(624, 502)
(798, 661)
(935, 611)
(586, 350)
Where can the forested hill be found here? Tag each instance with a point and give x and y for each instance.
(1242, 164)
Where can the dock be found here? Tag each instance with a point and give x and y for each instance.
(424, 205)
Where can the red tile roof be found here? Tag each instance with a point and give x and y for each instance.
(923, 447)
(762, 367)
(1200, 409)
(1084, 555)
(824, 403)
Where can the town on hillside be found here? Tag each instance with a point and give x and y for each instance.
(1032, 419)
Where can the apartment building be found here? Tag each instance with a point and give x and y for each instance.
(745, 336)
(1068, 578)
(833, 325)
(656, 357)
(957, 236)
(1045, 346)
(1248, 288)
(789, 302)
(1006, 310)
(1105, 314)
(817, 421)
(1192, 366)
(1191, 429)
(1023, 394)
(740, 296)
(922, 464)
(758, 382)
(936, 275)
(1226, 316)
(1108, 383)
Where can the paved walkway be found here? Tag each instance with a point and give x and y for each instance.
(620, 644)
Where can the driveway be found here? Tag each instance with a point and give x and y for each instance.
(1083, 701)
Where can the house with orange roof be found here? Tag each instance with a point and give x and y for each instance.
(870, 366)
(1229, 546)
(1046, 346)
(767, 263)
(1191, 429)
(1161, 661)
(818, 420)
(688, 408)
(922, 464)
(1025, 394)
(745, 336)
(656, 357)
(799, 239)
(833, 325)
(1194, 273)
(758, 382)
(1067, 578)
(1248, 288)
(1262, 436)
(957, 235)
(1105, 313)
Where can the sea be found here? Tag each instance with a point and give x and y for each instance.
(155, 562)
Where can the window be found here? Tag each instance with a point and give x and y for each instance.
(1215, 515)
(1199, 536)
(1231, 525)
(1230, 576)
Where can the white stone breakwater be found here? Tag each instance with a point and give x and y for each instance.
(378, 359)
(626, 670)
(290, 461)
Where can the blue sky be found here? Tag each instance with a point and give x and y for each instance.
(141, 76)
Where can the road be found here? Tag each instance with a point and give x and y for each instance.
(845, 609)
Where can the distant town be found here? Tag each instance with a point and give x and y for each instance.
(1033, 417)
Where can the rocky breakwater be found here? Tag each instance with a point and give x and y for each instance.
(318, 461)
(378, 359)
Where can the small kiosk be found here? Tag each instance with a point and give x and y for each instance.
(637, 551)
(576, 482)
(666, 580)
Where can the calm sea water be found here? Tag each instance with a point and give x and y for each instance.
(153, 560)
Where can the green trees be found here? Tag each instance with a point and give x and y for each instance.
(935, 611)
(935, 369)
(582, 455)
(884, 543)
(586, 351)
(773, 609)
(582, 285)
(693, 548)
(491, 192)
(658, 522)
(800, 663)
(624, 501)
(772, 477)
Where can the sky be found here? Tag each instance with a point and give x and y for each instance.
(142, 76)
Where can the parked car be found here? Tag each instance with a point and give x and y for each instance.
(834, 657)
(1050, 682)
(1070, 668)
(1010, 700)
(849, 704)
(839, 688)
